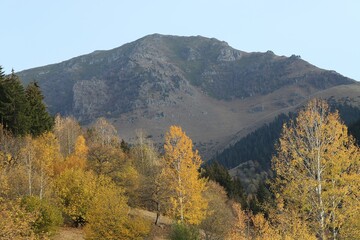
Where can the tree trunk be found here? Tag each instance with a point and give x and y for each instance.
(181, 208)
(334, 214)
(29, 174)
(41, 183)
(157, 213)
(321, 204)
(180, 193)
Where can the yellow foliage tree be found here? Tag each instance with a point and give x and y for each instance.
(108, 217)
(29, 159)
(47, 153)
(107, 158)
(289, 225)
(81, 148)
(181, 176)
(104, 133)
(15, 222)
(317, 170)
(77, 159)
(240, 229)
(279, 225)
(112, 161)
(75, 189)
(263, 229)
(4, 187)
(351, 227)
(66, 130)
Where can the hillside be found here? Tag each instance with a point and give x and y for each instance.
(249, 159)
(216, 93)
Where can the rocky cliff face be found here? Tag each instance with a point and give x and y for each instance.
(202, 84)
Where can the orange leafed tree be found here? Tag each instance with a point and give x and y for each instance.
(181, 176)
(78, 159)
(240, 226)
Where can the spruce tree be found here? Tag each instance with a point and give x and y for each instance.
(2, 95)
(13, 104)
(39, 119)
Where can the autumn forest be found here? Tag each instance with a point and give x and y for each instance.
(55, 172)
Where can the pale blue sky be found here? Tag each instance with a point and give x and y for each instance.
(39, 32)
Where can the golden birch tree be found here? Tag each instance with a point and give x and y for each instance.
(47, 153)
(66, 130)
(263, 229)
(28, 155)
(76, 160)
(181, 175)
(240, 228)
(317, 170)
(104, 133)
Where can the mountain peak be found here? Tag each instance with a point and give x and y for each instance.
(162, 79)
(169, 63)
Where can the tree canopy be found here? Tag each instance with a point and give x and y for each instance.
(22, 111)
(182, 177)
(317, 171)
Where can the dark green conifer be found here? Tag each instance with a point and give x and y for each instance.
(220, 174)
(13, 104)
(39, 119)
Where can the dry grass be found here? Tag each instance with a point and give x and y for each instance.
(159, 232)
(151, 216)
(66, 233)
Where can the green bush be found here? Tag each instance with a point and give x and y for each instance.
(181, 231)
(49, 217)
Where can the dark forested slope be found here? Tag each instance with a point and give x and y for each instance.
(259, 146)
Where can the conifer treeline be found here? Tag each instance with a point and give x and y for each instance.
(259, 145)
(22, 110)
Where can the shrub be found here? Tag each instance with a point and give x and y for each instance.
(181, 231)
(49, 217)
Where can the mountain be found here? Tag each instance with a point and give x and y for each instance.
(216, 93)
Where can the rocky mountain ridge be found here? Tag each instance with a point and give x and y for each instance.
(216, 93)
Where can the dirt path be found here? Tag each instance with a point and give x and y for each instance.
(69, 234)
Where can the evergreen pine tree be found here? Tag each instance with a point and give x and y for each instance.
(39, 119)
(13, 104)
(2, 95)
(220, 174)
